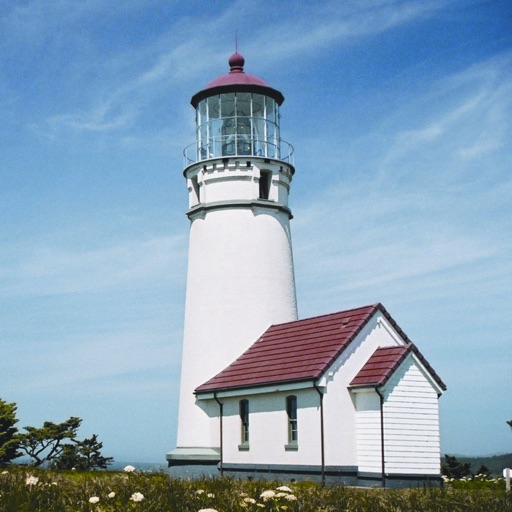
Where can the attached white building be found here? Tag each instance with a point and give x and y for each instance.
(344, 397)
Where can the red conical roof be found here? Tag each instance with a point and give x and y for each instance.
(237, 80)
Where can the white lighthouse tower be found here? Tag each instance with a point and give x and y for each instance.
(240, 268)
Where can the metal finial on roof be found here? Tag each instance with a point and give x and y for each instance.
(236, 63)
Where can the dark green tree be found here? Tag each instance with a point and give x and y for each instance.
(82, 455)
(453, 468)
(67, 459)
(44, 444)
(9, 441)
(483, 470)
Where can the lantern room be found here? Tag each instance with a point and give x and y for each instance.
(237, 114)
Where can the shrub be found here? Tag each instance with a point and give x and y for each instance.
(36, 490)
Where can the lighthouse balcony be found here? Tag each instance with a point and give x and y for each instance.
(238, 145)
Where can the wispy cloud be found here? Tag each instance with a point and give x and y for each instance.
(162, 66)
(429, 215)
(48, 270)
(463, 117)
(80, 359)
(337, 23)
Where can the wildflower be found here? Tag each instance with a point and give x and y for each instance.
(94, 499)
(31, 480)
(200, 491)
(111, 494)
(283, 488)
(5, 472)
(290, 497)
(208, 510)
(137, 496)
(250, 500)
(129, 469)
(210, 495)
(266, 495)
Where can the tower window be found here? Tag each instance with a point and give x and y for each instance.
(244, 425)
(195, 188)
(291, 411)
(265, 182)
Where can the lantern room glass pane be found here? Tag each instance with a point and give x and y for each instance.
(227, 105)
(243, 104)
(258, 105)
(271, 114)
(213, 107)
(237, 123)
(201, 111)
(271, 140)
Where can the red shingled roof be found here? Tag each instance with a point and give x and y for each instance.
(381, 365)
(293, 351)
(385, 361)
(301, 350)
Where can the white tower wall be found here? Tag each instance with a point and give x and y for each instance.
(240, 276)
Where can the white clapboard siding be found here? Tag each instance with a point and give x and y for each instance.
(411, 422)
(368, 436)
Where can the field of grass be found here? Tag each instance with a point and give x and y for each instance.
(24, 489)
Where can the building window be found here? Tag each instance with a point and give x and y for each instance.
(291, 411)
(244, 425)
(265, 182)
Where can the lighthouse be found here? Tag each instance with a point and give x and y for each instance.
(240, 278)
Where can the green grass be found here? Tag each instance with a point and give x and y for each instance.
(25, 489)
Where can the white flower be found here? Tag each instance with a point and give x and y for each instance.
(290, 497)
(250, 500)
(266, 495)
(5, 472)
(111, 494)
(31, 480)
(94, 499)
(137, 496)
(200, 491)
(129, 469)
(210, 495)
(207, 510)
(283, 488)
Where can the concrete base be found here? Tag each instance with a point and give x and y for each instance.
(332, 475)
(193, 462)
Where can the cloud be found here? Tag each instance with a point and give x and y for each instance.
(33, 23)
(380, 242)
(429, 208)
(337, 23)
(83, 360)
(134, 77)
(48, 270)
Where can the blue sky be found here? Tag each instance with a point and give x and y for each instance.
(400, 113)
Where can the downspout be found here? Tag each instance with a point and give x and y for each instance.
(221, 410)
(382, 451)
(322, 442)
